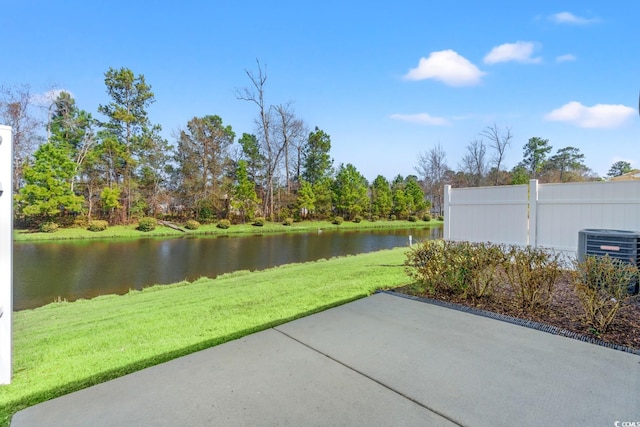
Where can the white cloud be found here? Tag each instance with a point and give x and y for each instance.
(570, 18)
(598, 116)
(421, 118)
(448, 67)
(47, 98)
(565, 58)
(518, 51)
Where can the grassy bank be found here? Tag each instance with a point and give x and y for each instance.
(63, 347)
(129, 231)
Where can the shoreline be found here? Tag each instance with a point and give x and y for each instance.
(130, 231)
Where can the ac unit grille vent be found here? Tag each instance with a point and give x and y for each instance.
(622, 245)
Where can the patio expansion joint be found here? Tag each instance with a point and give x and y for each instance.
(351, 368)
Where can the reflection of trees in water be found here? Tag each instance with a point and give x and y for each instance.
(72, 270)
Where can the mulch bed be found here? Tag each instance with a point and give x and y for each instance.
(565, 312)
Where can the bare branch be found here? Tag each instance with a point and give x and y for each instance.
(498, 141)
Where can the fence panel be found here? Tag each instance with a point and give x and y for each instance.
(548, 215)
(563, 210)
(496, 214)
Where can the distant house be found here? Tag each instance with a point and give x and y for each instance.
(634, 175)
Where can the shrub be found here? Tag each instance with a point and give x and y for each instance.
(440, 217)
(147, 224)
(259, 221)
(425, 263)
(357, 219)
(285, 212)
(426, 217)
(338, 220)
(224, 224)
(532, 273)
(482, 263)
(80, 222)
(375, 218)
(48, 227)
(392, 218)
(206, 211)
(97, 225)
(192, 224)
(287, 221)
(601, 284)
(467, 270)
(413, 218)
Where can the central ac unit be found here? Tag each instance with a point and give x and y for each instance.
(618, 244)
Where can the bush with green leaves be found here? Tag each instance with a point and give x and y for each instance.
(192, 224)
(259, 221)
(147, 224)
(287, 222)
(532, 274)
(426, 263)
(413, 218)
(375, 218)
(337, 220)
(224, 224)
(48, 227)
(440, 217)
(357, 219)
(601, 284)
(97, 225)
(392, 218)
(80, 222)
(481, 268)
(426, 217)
(467, 270)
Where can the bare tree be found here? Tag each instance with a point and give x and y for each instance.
(474, 163)
(498, 141)
(290, 132)
(433, 169)
(16, 110)
(272, 152)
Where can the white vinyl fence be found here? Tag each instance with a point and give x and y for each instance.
(547, 215)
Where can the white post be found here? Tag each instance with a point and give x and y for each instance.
(532, 239)
(6, 252)
(447, 213)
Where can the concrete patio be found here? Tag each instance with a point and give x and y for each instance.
(382, 360)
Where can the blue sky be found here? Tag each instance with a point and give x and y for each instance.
(386, 80)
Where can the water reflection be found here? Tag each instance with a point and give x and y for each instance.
(45, 271)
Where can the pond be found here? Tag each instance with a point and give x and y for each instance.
(46, 271)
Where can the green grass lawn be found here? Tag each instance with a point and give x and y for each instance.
(129, 231)
(63, 347)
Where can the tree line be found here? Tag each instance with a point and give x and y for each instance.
(119, 167)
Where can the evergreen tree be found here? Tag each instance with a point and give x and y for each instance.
(306, 201)
(122, 138)
(416, 203)
(255, 160)
(350, 191)
(619, 168)
(535, 155)
(568, 162)
(244, 192)
(317, 162)
(202, 164)
(47, 191)
(50, 179)
(400, 203)
(322, 191)
(381, 200)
